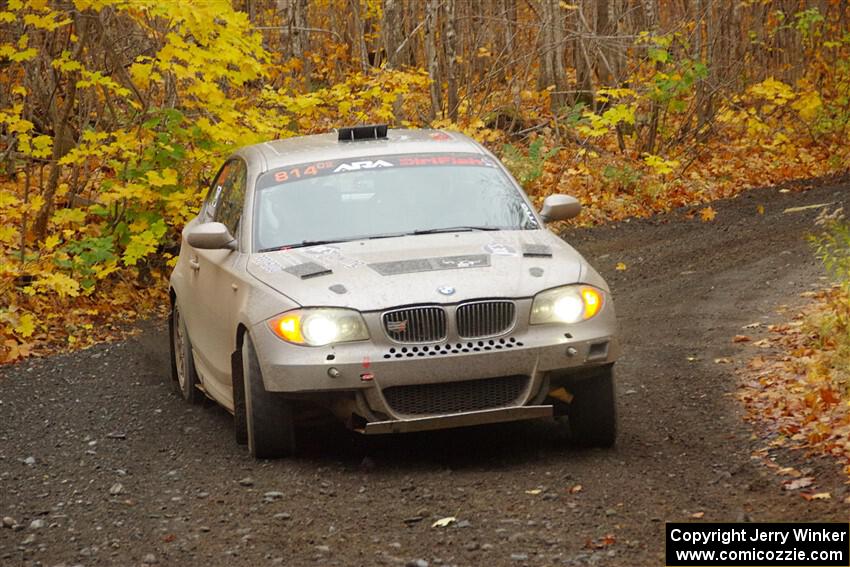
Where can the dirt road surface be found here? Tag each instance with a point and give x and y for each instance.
(101, 464)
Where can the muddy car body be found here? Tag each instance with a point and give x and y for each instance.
(400, 279)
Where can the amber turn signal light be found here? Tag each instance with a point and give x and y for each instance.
(288, 327)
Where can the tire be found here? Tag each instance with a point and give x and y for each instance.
(592, 413)
(240, 425)
(183, 371)
(269, 417)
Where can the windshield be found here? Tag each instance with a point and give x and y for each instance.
(341, 200)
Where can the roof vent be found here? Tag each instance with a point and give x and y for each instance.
(370, 132)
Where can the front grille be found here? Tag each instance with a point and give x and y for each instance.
(416, 324)
(456, 397)
(485, 318)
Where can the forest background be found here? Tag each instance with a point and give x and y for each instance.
(114, 115)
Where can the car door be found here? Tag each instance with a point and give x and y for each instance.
(192, 307)
(215, 285)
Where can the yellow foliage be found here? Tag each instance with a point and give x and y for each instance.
(167, 177)
(808, 104)
(8, 233)
(660, 165)
(56, 282)
(25, 326)
(64, 217)
(772, 90)
(51, 242)
(49, 21)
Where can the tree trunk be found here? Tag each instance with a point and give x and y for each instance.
(63, 137)
(358, 35)
(581, 58)
(647, 144)
(650, 14)
(451, 54)
(295, 37)
(432, 57)
(410, 25)
(552, 52)
(702, 52)
(506, 49)
(392, 29)
(602, 26)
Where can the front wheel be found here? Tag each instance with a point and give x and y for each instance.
(268, 416)
(592, 412)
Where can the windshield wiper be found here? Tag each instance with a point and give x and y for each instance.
(305, 243)
(455, 229)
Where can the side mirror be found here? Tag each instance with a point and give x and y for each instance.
(559, 207)
(210, 236)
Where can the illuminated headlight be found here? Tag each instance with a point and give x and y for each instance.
(318, 327)
(569, 304)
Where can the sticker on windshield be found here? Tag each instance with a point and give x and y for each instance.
(358, 165)
(375, 163)
(529, 215)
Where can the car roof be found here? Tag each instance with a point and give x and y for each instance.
(317, 147)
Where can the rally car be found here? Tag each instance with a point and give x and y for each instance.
(400, 279)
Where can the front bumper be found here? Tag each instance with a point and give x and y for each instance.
(361, 372)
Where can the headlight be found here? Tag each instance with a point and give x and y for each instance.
(318, 327)
(569, 304)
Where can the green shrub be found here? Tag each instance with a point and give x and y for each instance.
(527, 166)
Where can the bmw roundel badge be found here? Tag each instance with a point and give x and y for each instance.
(446, 289)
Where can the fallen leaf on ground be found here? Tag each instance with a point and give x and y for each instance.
(741, 339)
(723, 361)
(575, 489)
(797, 483)
(621, 267)
(707, 214)
(444, 522)
(534, 492)
(760, 209)
(697, 515)
(604, 541)
(817, 496)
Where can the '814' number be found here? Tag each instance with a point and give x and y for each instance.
(302, 171)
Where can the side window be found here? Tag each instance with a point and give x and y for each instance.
(229, 210)
(213, 200)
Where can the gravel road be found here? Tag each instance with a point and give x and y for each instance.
(102, 464)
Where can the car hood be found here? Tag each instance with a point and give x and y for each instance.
(370, 275)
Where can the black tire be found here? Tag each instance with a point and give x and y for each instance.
(269, 417)
(593, 411)
(240, 425)
(183, 371)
